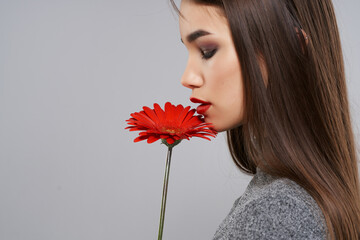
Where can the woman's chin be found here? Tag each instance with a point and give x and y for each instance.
(221, 127)
(217, 127)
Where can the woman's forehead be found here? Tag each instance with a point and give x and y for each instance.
(195, 16)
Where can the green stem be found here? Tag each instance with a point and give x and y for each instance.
(165, 188)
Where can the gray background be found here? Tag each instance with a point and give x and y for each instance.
(71, 72)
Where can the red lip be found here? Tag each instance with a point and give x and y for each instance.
(203, 107)
(195, 100)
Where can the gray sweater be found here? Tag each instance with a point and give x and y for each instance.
(273, 208)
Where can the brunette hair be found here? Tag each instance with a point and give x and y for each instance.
(298, 122)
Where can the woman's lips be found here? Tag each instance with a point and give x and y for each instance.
(203, 107)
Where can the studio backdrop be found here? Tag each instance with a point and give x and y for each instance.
(71, 72)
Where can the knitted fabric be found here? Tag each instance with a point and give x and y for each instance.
(273, 208)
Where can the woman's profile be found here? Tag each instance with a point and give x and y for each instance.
(271, 74)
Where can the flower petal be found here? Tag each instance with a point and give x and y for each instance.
(170, 113)
(170, 140)
(182, 115)
(140, 138)
(152, 139)
(151, 114)
(188, 116)
(143, 119)
(159, 112)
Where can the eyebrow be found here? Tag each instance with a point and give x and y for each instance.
(195, 35)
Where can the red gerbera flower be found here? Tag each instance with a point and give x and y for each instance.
(173, 124)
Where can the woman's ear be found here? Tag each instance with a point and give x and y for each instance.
(263, 69)
(306, 37)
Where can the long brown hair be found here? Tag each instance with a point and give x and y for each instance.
(298, 123)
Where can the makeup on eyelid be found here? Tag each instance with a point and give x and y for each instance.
(208, 50)
(207, 54)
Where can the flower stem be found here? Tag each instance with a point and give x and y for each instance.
(165, 188)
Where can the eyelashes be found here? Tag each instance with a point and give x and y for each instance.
(208, 53)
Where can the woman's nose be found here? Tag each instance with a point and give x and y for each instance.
(192, 77)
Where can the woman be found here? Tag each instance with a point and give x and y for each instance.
(271, 74)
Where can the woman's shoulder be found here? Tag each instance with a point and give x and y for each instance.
(270, 190)
(274, 208)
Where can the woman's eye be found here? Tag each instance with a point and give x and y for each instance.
(208, 53)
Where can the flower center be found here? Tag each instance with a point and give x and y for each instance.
(172, 130)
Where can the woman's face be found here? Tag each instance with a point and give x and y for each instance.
(213, 71)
